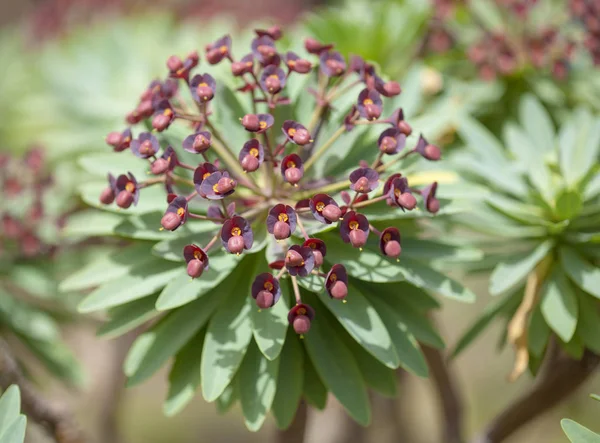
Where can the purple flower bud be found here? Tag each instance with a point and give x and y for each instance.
(299, 260)
(301, 324)
(235, 245)
(145, 146)
(369, 104)
(264, 299)
(196, 259)
(236, 235)
(406, 200)
(292, 168)
(364, 180)
(318, 248)
(159, 166)
(195, 268)
(293, 258)
(202, 88)
(281, 221)
(251, 155)
(336, 282)
(174, 63)
(358, 238)
(324, 208)
(391, 89)
(170, 221)
(281, 230)
(315, 47)
(389, 242)
(432, 204)
(107, 196)
(250, 122)
(263, 285)
(249, 163)
(272, 79)
(354, 229)
(124, 199)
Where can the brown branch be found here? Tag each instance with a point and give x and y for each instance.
(295, 433)
(58, 422)
(448, 392)
(560, 378)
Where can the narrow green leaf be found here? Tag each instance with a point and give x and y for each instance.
(289, 381)
(574, 348)
(172, 248)
(579, 141)
(559, 304)
(184, 377)
(519, 144)
(589, 320)
(568, 204)
(481, 140)
(15, 433)
(91, 223)
(140, 282)
(582, 272)
(126, 317)
(578, 433)
(229, 332)
(508, 275)
(489, 14)
(595, 397)
(313, 388)
(228, 398)
(537, 123)
(269, 327)
(538, 333)
(10, 405)
(257, 385)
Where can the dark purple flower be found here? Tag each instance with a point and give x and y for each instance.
(389, 242)
(257, 122)
(265, 290)
(332, 64)
(300, 317)
(432, 204)
(176, 214)
(244, 66)
(127, 191)
(264, 49)
(217, 186)
(349, 118)
(274, 32)
(181, 68)
(146, 145)
(164, 115)
(218, 50)
(108, 194)
(391, 141)
(197, 143)
(281, 221)
(388, 183)
(166, 162)
(119, 140)
(297, 64)
(201, 173)
(336, 282)
(354, 229)
(369, 104)
(364, 180)
(296, 133)
(427, 150)
(203, 87)
(316, 47)
(397, 121)
(196, 259)
(325, 209)
(401, 195)
(272, 79)
(215, 211)
(318, 248)
(292, 168)
(251, 155)
(236, 235)
(387, 89)
(299, 260)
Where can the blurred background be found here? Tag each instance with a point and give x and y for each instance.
(71, 69)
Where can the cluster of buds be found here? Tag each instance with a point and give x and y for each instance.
(439, 38)
(267, 182)
(588, 13)
(24, 185)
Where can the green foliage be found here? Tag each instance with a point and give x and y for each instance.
(12, 422)
(578, 433)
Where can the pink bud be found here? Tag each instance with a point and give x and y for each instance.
(107, 196)
(281, 230)
(264, 299)
(332, 213)
(174, 63)
(358, 238)
(124, 199)
(249, 163)
(318, 258)
(273, 84)
(205, 93)
(225, 185)
(407, 200)
(160, 122)
(293, 258)
(195, 268)
(293, 175)
(251, 122)
(433, 205)
(362, 185)
(170, 221)
(392, 249)
(404, 128)
(339, 290)
(235, 244)
(391, 88)
(302, 66)
(432, 152)
(302, 137)
(388, 145)
(373, 111)
(301, 324)
(114, 139)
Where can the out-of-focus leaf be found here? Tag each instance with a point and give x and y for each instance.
(559, 304)
(229, 396)
(588, 321)
(289, 381)
(568, 204)
(579, 141)
(538, 333)
(126, 317)
(91, 223)
(537, 123)
(313, 388)
(10, 405)
(582, 272)
(578, 433)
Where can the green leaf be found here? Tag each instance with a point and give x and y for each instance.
(481, 140)
(269, 327)
(289, 381)
(578, 433)
(519, 144)
(141, 281)
(363, 324)
(491, 311)
(337, 368)
(568, 204)
(313, 388)
(589, 319)
(182, 289)
(126, 317)
(15, 433)
(172, 248)
(579, 141)
(229, 332)
(559, 304)
(595, 397)
(538, 333)
(574, 348)
(583, 273)
(508, 275)
(405, 343)
(228, 398)
(10, 405)
(184, 377)
(91, 223)
(489, 14)
(537, 123)
(257, 385)
(107, 268)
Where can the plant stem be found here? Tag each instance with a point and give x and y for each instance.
(296, 289)
(211, 243)
(370, 201)
(301, 226)
(385, 166)
(324, 148)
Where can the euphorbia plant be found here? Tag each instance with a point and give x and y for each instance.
(276, 229)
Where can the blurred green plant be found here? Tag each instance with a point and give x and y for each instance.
(578, 433)
(12, 423)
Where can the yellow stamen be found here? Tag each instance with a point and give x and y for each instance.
(262, 124)
(268, 286)
(333, 278)
(206, 175)
(291, 132)
(387, 237)
(290, 164)
(283, 217)
(353, 225)
(130, 187)
(320, 206)
(367, 101)
(301, 311)
(254, 152)
(236, 232)
(181, 212)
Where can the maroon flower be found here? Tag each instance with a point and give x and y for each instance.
(389, 242)
(126, 190)
(332, 64)
(257, 122)
(264, 49)
(354, 229)
(201, 173)
(364, 180)
(401, 195)
(181, 68)
(296, 133)
(281, 221)
(243, 66)
(217, 186)
(251, 155)
(197, 143)
(297, 64)
(119, 140)
(164, 115)
(166, 162)
(176, 214)
(299, 260)
(274, 32)
(266, 290)
(391, 141)
(218, 50)
(108, 194)
(146, 145)
(292, 168)
(203, 87)
(318, 248)
(432, 204)
(196, 259)
(369, 104)
(236, 235)
(300, 317)
(325, 209)
(336, 282)
(272, 79)
(315, 47)
(349, 118)
(427, 150)
(397, 121)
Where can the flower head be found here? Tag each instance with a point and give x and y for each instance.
(264, 50)
(236, 235)
(325, 209)
(401, 195)
(332, 64)
(127, 191)
(201, 173)
(196, 259)
(266, 290)
(166, 162)
(391, 141)
(432, 204)
(202, 88)
(354, 229)
(369, 104)
(251, 155)
(427, 150)
(108, 194)
(299, 260)
(389, 242)
(119, 140)
(273, 79)
(292, 168)
(257, 122)
(297, 64)
(281, 221)
(176, 214)
(218, 50)
(244, 66)
(319, 249)
(300, 317)
(364, 180)
(336, 282)
(146, 145)
(217, 185)
(296, 133)
(197, 143)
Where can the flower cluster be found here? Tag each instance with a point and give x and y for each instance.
(588, 12)
(22, 212)
(268, 180)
